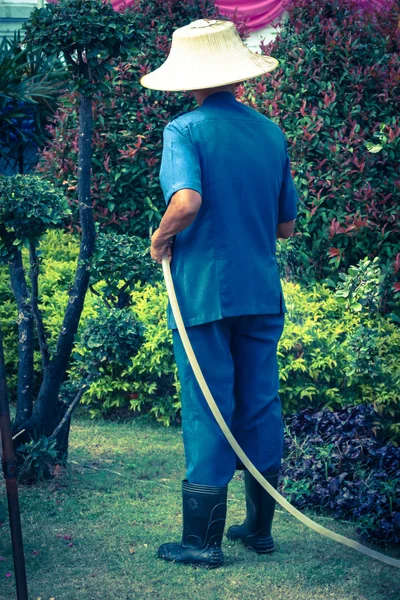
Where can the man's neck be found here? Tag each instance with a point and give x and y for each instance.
(201, 95)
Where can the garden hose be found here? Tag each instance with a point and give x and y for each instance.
(234, 444)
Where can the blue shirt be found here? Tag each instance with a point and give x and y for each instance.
(224, 264)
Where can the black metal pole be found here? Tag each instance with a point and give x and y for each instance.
(10, 476)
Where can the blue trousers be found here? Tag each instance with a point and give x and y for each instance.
(238, 357)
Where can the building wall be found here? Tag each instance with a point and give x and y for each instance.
(13, 13)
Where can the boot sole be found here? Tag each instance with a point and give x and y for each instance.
(213, 562)
(194, 563)
(261, 547)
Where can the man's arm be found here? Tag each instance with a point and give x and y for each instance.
(285, 230)
(181, 212)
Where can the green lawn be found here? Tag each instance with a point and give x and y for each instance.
(93, 533)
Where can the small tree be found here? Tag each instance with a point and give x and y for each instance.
(87, 34)
(28, 208)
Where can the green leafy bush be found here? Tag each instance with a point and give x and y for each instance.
(324, 361)
(107, 344)
(145, 380)
(330, 355)
(360, 288)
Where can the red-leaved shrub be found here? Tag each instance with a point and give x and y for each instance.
(336, 94)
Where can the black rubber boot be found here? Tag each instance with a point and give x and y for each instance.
(204, 513)
(255, 532)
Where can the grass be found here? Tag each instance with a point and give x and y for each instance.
(92, 534)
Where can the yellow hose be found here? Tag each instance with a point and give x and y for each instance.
(232, 441)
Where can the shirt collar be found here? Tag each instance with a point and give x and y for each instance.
(219, 98)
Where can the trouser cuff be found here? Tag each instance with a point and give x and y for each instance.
(203, 489)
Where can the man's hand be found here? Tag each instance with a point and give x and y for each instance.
(159, 247)
(285, 230)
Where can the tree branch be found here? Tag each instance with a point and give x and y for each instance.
(46, 408)
(70, 409)
(96, 293)
(70, 60)
(34, 273)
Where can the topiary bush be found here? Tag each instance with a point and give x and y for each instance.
(121, 261)
(334, 463)
(143, 382)
(336, 95)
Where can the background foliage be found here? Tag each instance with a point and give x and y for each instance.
(329, 355)
(336, 95)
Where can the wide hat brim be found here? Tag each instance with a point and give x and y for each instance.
(207, 54)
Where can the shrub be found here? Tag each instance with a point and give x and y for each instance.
(360, 287)
(146, 382)
(330, 355)
(38, 458)
(333, 462)
(333, 357)
(321, 359)
(336, 95)
(29, 207)
(107, 344)
(121, 261)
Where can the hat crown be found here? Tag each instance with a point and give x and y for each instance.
(207, 53)
(201, 23)
(203, 28)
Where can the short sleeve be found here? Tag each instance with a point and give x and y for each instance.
(288, 197)
(180, 163)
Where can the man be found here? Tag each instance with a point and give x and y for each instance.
(226, 179)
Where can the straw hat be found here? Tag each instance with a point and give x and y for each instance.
(206, 54)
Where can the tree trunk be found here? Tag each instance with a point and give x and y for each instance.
(47, 410)
(44, 350)
(25, 339)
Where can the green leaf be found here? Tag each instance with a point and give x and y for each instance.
(373, 148)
